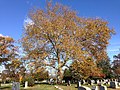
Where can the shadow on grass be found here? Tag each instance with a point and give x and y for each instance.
(5, 87)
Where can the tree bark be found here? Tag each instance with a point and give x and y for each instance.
(59, 76)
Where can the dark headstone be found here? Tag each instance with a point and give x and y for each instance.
(81, 88)
(93, 87)
(82, 82)
(95, 81)
(119, 79)
(69, 83)
(112, 85)
(16, 86)
(89, 81)
(99, 88)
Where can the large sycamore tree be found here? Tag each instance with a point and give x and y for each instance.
(57, 35)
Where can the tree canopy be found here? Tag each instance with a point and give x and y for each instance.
(57, 35)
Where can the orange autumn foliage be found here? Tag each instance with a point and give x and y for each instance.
(58, 35)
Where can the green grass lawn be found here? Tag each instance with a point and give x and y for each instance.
(48, 87)
(36, 87)
(42, 87)
(72, 87)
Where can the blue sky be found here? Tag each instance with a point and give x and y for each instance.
(14, 12)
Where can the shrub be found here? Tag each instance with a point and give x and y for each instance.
(30, 80)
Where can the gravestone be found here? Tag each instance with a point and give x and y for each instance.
(98, 81)
(81, 88)
(63, 81)
(109, 81)
(95, 81)
(93, 87)
(106, 81)
(84, 88)
(51, 81)
(92, 82)
(118, 80)
(82, 82)
(26, 84)
(85, 82)
(15, 86)
(89, 81)
(69, 83)
(79, 84)
(112, 84)
(116, 84)
(100, 88)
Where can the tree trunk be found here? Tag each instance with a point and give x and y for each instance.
(59, 76)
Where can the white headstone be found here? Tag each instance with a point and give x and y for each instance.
(105, 87)
(98, 81)
(26, 84)
(79, 83)
(92, 82)
(116, 84)
(83, 81)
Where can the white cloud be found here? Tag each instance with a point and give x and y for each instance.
(113, 50)
(29, 2)
(1, 35)
(114, 44)
(27, 22)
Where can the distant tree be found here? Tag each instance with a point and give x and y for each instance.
(41, 74)
(9, 57)
(15, 69)
(57, 35)
(68, 75)
(106, 67)
(5, 75)
(7, 49)
(116, 57)
(116, 65)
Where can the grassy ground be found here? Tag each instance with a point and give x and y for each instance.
(48, 87)
(36, 87)
(43, 87)
(72, 87)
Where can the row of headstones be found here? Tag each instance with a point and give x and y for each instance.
(100, 86)
(114, 84)
(16, 85)
(91, 82)
(94, 88)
